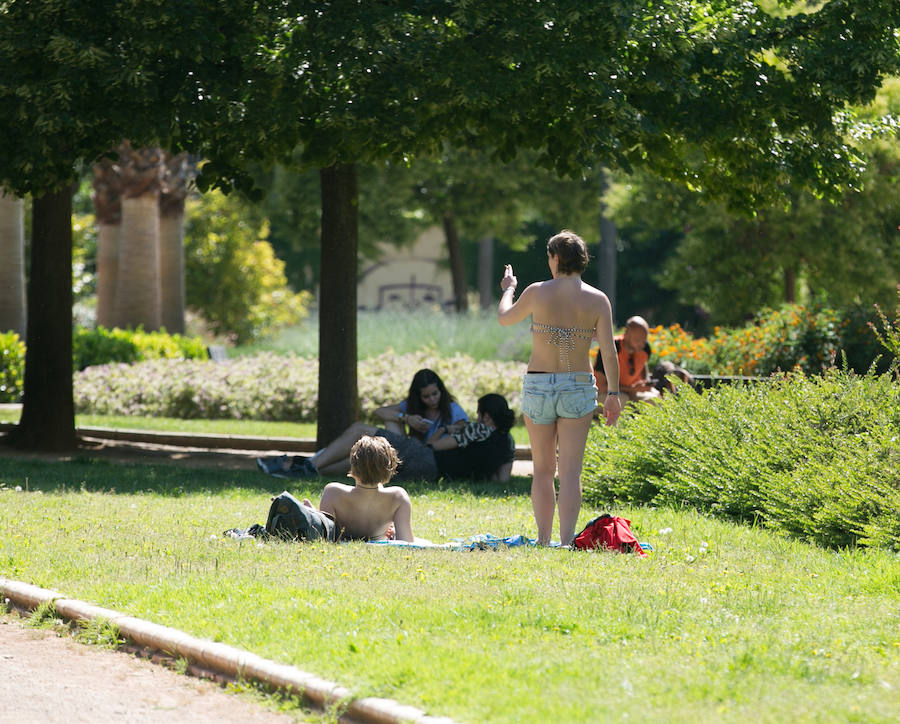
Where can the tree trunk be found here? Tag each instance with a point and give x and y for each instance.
(790, 285)
(107, 197)
(457, 267)
(48, 407)
(107, 272)
(12, 264)
(606, 271)
(338, 404)
(171, 272)
(137, 291)
(486, 280)
(179, 171)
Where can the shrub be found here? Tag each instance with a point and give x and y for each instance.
(889, 332)
(102, 346)
(272, 387)
(234, 280)
(793, 337)
(12, 367)
(817, 457)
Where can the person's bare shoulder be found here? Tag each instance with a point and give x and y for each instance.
(398, 493)
(331, 493)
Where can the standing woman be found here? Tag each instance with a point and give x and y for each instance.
(559, 393)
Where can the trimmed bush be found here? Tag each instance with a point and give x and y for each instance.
(103, 346)
(12, 367)
(273, 387)
(817, 457)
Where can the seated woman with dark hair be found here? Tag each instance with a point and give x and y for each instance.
(427, 407)
(479, 450)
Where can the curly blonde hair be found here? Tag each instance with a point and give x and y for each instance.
(373, 460)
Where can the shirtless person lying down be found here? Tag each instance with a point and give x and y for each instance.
(367, 509)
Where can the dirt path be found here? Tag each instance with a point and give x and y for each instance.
(47, 677)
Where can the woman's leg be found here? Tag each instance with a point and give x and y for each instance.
(394, 426)
(341, 467)
(573, 434)
(339, 448)
(543, 491)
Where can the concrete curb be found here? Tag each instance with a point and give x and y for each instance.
(224, 659)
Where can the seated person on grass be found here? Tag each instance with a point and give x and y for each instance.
(368, 510)
(479, 451)
(427, 407)
(633, 352)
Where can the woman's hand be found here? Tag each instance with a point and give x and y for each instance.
(612, 408)
(418, 423)
(509, 279)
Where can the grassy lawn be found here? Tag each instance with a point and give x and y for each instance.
(721, 623)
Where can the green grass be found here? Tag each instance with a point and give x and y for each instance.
(253, 428)
(723, 623)
(475, 333)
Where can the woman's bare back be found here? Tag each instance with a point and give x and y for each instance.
(565, 313)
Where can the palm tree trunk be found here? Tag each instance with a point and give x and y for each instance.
(107, 197)
(171, 272)
(138, 296)
(107, 272)
(338, 404)
(137, 291)
(179, 172)
(12, 264)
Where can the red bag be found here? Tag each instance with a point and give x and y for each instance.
(609, 531)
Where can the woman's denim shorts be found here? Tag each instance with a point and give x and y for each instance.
(547, 396)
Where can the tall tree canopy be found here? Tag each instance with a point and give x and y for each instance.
(720, 95)
(78, 77)
(844, 250)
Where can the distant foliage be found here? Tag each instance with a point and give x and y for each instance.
(817, 457)
(12, 367)
(101, 346)
(793, 337)
(234, 280)
(273, 387)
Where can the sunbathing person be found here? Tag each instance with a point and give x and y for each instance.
(479, 450)
(368, 510)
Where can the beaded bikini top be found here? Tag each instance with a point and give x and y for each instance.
(563, 337)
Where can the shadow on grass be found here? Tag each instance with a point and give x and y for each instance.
(83, 471)
(109, 476)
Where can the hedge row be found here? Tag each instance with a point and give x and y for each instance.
(96, 346)
(817, 457)
(273, 387)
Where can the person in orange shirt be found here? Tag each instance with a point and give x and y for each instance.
(633, 352)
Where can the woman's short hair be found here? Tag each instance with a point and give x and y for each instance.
(570, 251)
(496, 406)
(373, 460)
